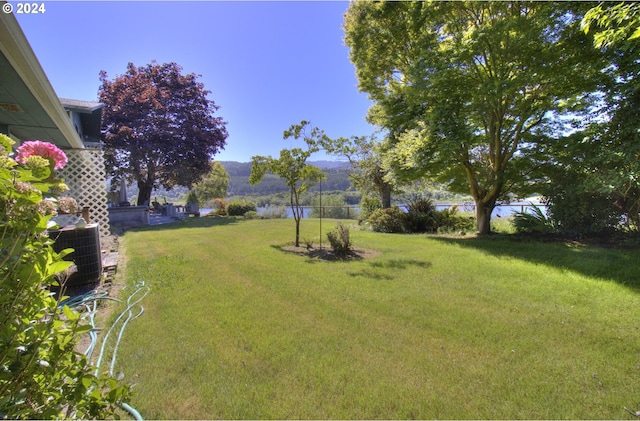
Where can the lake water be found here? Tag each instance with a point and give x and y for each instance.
(500, 211)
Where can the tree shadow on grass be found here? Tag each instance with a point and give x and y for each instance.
(387, 270)
(618, 265)
(315, 253)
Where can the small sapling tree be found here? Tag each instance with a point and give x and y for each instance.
(292, 167)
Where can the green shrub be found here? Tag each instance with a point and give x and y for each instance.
(219, 206)
(42, 375)
(391, 220)
(251, 215)
(451, 220)
(579, 203)
(192, 197)
(368, 205)
(533, 223)
(240, 207)
(421, 216)
(339, 239)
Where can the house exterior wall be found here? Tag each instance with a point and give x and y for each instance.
(85, 176)
(77, 123)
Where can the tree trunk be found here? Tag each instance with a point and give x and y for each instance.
(295, 209)
(385, 196)
(144, 196)
(483, 217)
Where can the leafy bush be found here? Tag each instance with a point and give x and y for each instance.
(579, 202)
(390, 220)
(240, 207)
(339, 239)
(533, 223)
(421, 216)
(192, 197)
(368, 205)
(451, 220)
(251, 215)
(219, 206)
(42, 375)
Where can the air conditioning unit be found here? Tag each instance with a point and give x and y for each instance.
(86, 255)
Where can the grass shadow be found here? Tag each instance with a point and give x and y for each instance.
(618, 265)
(387, 270)
(400, 263)
(315, 254)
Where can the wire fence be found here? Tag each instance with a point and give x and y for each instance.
(353, 211)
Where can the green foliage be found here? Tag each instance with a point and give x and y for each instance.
(192, 197)
(584, 182)
(533, 223)
(273, 212)
(251, 215)
(578, 210)
(614, 24)
(368, 205)
(605, 175)
(365, 156)
(213, 184)
(42, 376)
(465, 88)
(219, 206)
(339, 239)
(240, 207)
(333, 206)
(451, 220)
(421, 215)
(292, 167)
(389, 220)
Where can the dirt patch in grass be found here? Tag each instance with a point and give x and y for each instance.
(325, 253)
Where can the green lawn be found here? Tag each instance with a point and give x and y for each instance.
(236, 328)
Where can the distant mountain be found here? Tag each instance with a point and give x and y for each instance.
(336, 179)
(329, 165)
(239, 172)
(244, 168)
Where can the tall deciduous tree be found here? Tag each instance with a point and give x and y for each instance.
(367, 174)
(159, 127)
(292, 166)
(615, 143)
(213, 184)
(466, 88)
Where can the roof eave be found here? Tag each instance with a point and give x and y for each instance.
(18, 52)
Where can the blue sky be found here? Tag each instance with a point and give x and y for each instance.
(267, 64)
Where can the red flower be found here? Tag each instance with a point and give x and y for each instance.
(44, 149)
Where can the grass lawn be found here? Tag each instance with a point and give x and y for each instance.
(433, 327)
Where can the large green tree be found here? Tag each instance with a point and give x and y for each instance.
(292, 166)
(615, 142)
(213, 184)
(467, 89)
(158, 127)
(367, 174)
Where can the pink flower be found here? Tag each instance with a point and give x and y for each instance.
(44, 149)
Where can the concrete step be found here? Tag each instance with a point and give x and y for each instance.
(160, 219)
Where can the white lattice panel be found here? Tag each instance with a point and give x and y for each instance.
(85, 176)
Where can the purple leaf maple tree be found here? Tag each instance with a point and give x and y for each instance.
(158, 127)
